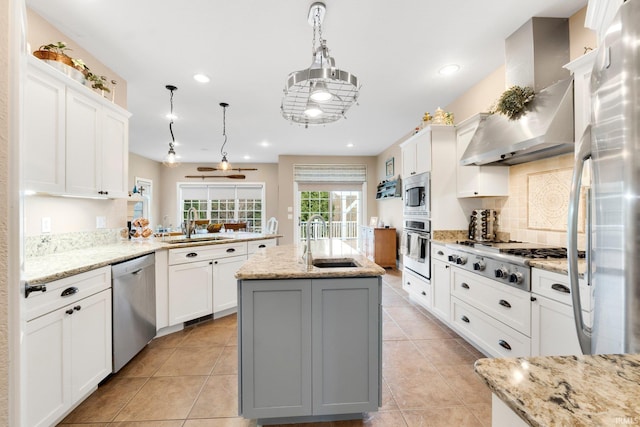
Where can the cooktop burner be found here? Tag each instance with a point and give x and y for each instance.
(520, 249)
(554, 252)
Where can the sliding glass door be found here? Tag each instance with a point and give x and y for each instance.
(341, 210)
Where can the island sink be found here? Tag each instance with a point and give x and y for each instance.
(194, 239)
(335, 263)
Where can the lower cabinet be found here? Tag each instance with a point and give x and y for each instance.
(225, 289)
(67, 351)
(418, 288)
(190, 291)
(309, 347)
(441, 289)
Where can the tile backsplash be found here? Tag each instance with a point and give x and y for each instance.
(537, 208)
(46, 244)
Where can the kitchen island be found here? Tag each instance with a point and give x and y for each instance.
(598, 390)
(309, 338)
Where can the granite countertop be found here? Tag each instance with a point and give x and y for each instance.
(285, 262)
(559, 265)
(598, 390)
(43, 269)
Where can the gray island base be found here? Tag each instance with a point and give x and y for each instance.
(309, 343)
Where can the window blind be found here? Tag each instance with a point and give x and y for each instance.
(330, 173)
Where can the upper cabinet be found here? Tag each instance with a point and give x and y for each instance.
(76, 142)
(600, 13)
(581, 69)
(477, 181)
(416, 153)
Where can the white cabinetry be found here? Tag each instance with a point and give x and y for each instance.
(76, 141)
(201, 280)
(416, 153)
(553, 328)
(254, 245)
(67, 345)
(497, 318)
(440, 282)
(418, 288)
(477, 181)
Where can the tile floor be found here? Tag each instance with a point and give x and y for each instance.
(189, 378)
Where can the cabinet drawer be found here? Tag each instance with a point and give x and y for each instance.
(495, 338)
(508, 305)
(201, 253)
(439, 252)
(254, 245)
(556, 286)
(418, 288)
(74, 288)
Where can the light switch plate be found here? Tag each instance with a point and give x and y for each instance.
(101, 222)
(46, 224)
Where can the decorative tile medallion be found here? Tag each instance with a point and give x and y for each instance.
(548, 200)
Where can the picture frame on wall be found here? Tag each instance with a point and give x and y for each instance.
(389, 168)
(373, 221)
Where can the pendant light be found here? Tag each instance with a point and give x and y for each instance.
(322, 93)
(171, 160)
(224, 163)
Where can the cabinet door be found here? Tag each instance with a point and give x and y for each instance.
(553, 330)
(384, 244)
(275, 348)
(44, 133)
(83, 137)
(346, 341)
(423, 152)
(90, 343)
(47, 390)
(190, 291)
(441, 289)
(114, 154)
(225, 289)
(409, 158)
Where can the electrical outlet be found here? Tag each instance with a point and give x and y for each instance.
(46, 224)
(101, 222)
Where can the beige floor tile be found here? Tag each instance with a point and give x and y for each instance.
(422, 392)
(155, 423)
(390, 298)
(482, 412)
(388, 402)
(163, 398)
(227, 362)
(445, 352)
(219, 398)
(190, 361)
(458, 416)
(220, 422)
(171, 340)
(207, 335)
(146, 363)
(467, 385)
(105, 403)
(391, 331)
(85, 425)
(401, 359)
(421, 329)
(384, 419)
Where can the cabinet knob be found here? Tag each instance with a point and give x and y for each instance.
(77, 308)
(424, 293)
(534, 299)
(70, 311)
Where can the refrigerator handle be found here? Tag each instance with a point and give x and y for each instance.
(583, 153)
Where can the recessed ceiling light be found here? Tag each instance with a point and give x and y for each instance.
(265, 143)
(449, 69)
(247, 157)
(201, 78)
(350, 145)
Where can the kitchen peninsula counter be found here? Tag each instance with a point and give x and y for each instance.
(598, 390)
(46, 268)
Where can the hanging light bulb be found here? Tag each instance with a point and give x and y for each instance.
(313, 109)
(224, 163)
(171, 160)
(319, 92)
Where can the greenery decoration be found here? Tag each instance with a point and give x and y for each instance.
(513, 102)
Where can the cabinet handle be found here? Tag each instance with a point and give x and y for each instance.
(408, 283)
(464, 285)
(77, 308)
(231, 250)
(215, 262)
(262, 246)
(34, 288)
(560, 288)
(534, 299)
(504, 303)
(191, 255)
(424, 293)
(70, 311)
(504, 344)
(440, 253)
(137, 271)
(106, 192)
(69, 291)
(446, 266)
(465, 319)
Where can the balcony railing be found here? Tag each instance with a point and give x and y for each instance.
(343, 230)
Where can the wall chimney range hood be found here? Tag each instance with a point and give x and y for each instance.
(535, 55)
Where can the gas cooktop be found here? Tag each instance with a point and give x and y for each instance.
(520, 249)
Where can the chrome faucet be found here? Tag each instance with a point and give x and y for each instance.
(308, 255)
(190, 223)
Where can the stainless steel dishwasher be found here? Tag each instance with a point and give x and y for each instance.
(134, 307)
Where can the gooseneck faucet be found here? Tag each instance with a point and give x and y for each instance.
(309, 256)
(191, 221)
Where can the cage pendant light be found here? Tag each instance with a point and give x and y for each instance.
(321, 93)
(171, 160)
(224, 163)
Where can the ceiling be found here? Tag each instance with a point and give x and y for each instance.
(249, 47)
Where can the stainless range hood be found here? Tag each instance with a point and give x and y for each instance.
(535, 54)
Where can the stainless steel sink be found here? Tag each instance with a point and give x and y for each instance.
(195, 239)
(335, 263)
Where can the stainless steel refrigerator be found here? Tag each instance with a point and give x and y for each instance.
(612, 142)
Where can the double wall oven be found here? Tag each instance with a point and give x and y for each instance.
(416, 235)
